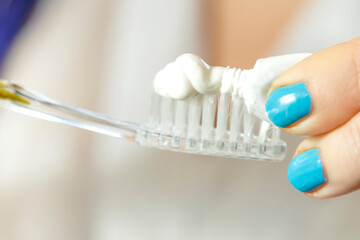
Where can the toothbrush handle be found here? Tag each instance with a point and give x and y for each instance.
(37, 105)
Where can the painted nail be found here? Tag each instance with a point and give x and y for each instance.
(305, 171)
(288, 104)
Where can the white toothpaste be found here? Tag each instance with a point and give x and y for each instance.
(190, 75)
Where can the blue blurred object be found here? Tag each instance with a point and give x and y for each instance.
(13, 14)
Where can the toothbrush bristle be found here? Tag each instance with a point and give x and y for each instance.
(180, 125)
(235, 121)
(217, 125)
(193, 128)
(167, 120)
(208, 120)
(222, 121)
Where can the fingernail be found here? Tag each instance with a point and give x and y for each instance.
(305, 171)
(288, 104)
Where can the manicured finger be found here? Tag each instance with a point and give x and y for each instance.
(318, 94)
(328, 165)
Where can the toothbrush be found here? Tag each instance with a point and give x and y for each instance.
(183, 126)
(214, 124)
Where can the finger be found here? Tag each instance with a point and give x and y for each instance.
(328, 165)
(318, 94)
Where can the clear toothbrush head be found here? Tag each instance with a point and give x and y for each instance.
(214, 125)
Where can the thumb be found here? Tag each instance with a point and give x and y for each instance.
(318, 94)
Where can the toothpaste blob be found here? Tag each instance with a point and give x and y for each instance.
(189, 75)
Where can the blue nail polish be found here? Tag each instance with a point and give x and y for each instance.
(305, 171)
(288, 104)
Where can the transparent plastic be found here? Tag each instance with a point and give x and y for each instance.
(214, 125)
(217, 125)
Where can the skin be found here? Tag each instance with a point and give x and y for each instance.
(332, 77)
(238, 32)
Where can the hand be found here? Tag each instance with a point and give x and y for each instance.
(320, 97)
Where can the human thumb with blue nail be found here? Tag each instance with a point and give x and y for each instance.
(320, 97)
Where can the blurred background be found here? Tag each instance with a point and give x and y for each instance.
(58, 182)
